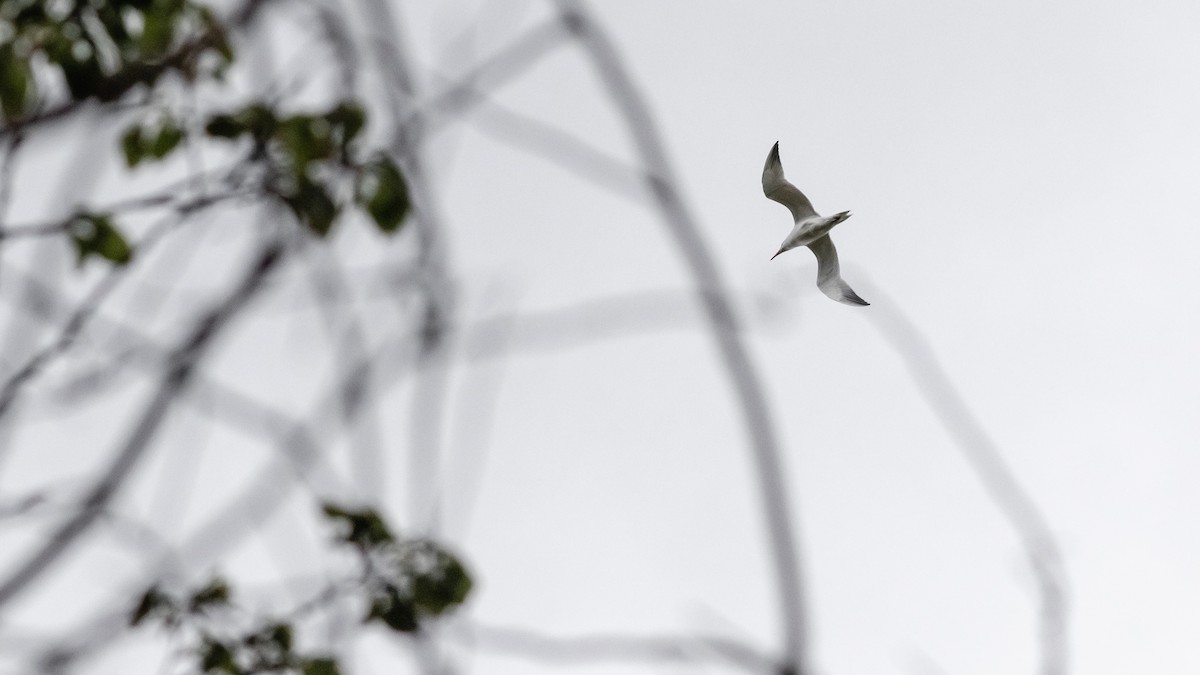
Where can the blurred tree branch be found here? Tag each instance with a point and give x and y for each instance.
(998, 479)
(183, 360)
(751, 396)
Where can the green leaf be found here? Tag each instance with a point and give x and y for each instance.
(398, 613)
(349, 118)
(217, 656)
(131, 143)
(152, 601)
(384, 193)
(312, 205)
(158, 29)
(272, 647)
(278, 636)
(259, 119)
(16, 83)
(321, 666)
(216, 593)
(224, 126)
(444, 587)
(365, 527)
(79, 64)
(296, 135)
(95, 234)
(168, 138)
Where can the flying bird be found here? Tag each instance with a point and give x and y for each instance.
(811, 230)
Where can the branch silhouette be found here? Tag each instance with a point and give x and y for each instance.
(719, 312)
(998, 479)
(183, 361)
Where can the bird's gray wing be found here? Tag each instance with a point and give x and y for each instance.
(829, 273)
(777, 188)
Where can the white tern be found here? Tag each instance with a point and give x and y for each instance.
(811, 230)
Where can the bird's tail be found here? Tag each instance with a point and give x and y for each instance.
(839, 217)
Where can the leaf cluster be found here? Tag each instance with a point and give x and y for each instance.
(104, 49)
(408, 581)
(151, 141)
(307, 155)
(173, 610)
(266, 648)
(269, 649)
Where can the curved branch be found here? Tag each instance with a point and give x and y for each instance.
(722, 322)
(997, 477)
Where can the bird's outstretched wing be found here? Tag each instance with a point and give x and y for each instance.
(829, 273)
(777, 188)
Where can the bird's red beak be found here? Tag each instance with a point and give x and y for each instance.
(777, 254)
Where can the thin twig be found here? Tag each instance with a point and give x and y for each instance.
(348, 332)
(12, 386)
(591, 650)
(439, 109)
(999, 481)
(432, 383)
(183, 361)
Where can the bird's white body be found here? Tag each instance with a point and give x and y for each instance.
(811, 229)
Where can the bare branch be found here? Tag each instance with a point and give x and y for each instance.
(719, 311)
(592, 650)
(182, 364)
(432, 263)
(985, 458)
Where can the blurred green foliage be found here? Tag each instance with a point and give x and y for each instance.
(307, 153)
(95, 235)
(404, 583)
(102, 50)
(407, 580)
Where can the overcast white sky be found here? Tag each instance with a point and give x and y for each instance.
(1023, 180)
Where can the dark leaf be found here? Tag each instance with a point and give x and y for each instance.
(158, 29)
(321, 666)
(168, 138)
(79, 65)
(151, 602)
(444, 587)
(95, 234)
(383, 192)
(224, 126)
(312, 205)
(131, 143)
(217, 656)
(277, 636)
(215, 594)
(33, 13)
(399, 613)
(259, 119)
(16, 83)
(365, 528)
(349, 118)
(296, 136)
(272, 647)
